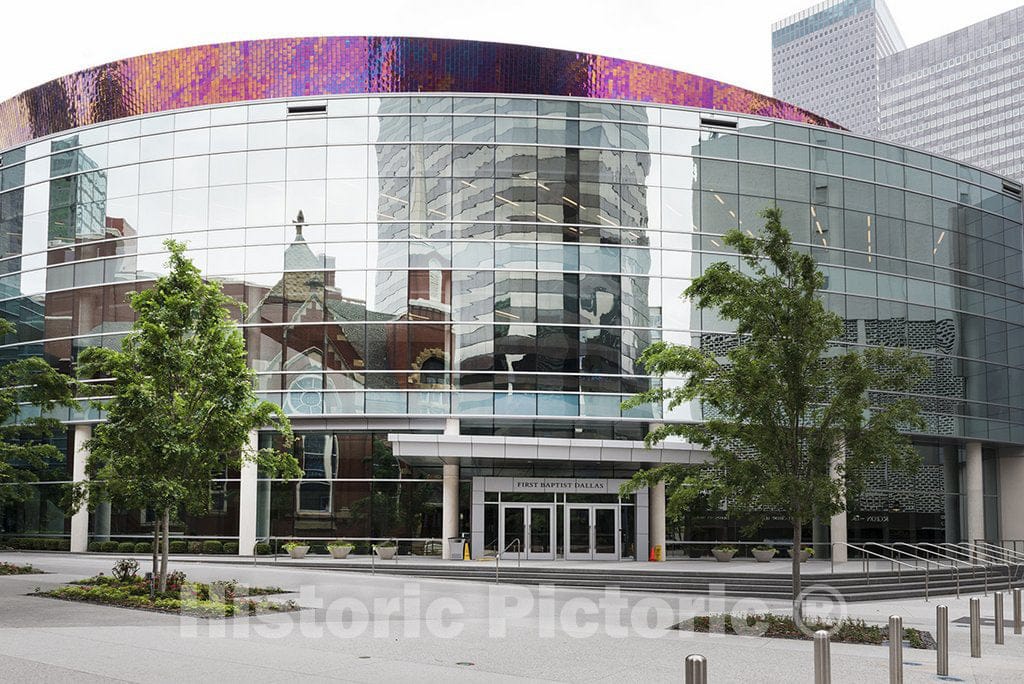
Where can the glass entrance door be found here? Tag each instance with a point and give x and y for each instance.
(541, 535)
(591, 532)
(513, 527)
(532, 525)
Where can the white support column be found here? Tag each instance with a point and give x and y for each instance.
(1011, 486)
(974, 488)
(838, 533)
(449, 505)
(657, 506)
(247, 501)
(80, 520)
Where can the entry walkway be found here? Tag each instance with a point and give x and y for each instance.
(49, 640)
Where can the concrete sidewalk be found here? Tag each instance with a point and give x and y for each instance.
(358, 627)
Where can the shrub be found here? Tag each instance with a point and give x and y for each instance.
(53, 544)
(231, 547)
(195, 547)
(144, 547)
(213, 546)
(94, 546)
(263, 549)
(108, 546)
(725, 548)
(764, 547)
(125, 569)
(175, 579)
(126, 547)
(178, 547)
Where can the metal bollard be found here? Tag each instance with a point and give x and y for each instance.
(696, 669)
(1016, 611)
(895, 649)
(975, 628)
(822, 658)
(941, 641)
(999, 617)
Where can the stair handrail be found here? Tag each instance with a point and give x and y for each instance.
(866, 565)
(497, 557)
(941, 550)
(1001, 549)
(958, 548)
(975, 550)
(898, 546)
(986, 550)
(953, 568)
(988, 559)
(894, 549)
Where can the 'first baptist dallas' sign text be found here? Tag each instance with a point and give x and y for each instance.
(559, 484)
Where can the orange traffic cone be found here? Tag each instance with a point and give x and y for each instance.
(654, 554)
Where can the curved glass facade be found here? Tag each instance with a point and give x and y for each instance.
(499, 262)
(496, 257)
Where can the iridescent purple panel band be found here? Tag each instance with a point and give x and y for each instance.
(295, 67)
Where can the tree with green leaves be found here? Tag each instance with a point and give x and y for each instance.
(793, 419)
(181, 404)
(29, 389)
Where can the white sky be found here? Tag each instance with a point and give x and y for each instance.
(725, 39)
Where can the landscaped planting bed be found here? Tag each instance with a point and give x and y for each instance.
(846, 631)
(124, 588)
(14, 569)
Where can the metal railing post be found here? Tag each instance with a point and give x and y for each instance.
(696, 669)
(822, 658)
(895, 649)
(941, 641)
(1016, 611)
(975, 627)
(1000, 638)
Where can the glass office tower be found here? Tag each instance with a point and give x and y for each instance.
(450, 256)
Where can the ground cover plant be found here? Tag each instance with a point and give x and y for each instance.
(125, 588)
(846, 631)
(15, 569)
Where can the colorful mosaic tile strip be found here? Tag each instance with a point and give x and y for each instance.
(297, 67)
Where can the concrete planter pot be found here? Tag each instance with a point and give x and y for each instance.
(722, 556)
(804, 556)
(762, 556)
(386, 552)
(298, 552)
(339, 552)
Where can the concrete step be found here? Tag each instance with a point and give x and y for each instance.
(853, 587)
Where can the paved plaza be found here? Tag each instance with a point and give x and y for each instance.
(431, 630)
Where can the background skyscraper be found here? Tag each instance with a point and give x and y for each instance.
(959, 95)
(956, 95)
(825, 59)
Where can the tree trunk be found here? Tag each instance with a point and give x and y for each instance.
(797, 546)
(156, 550)
(164, 549)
